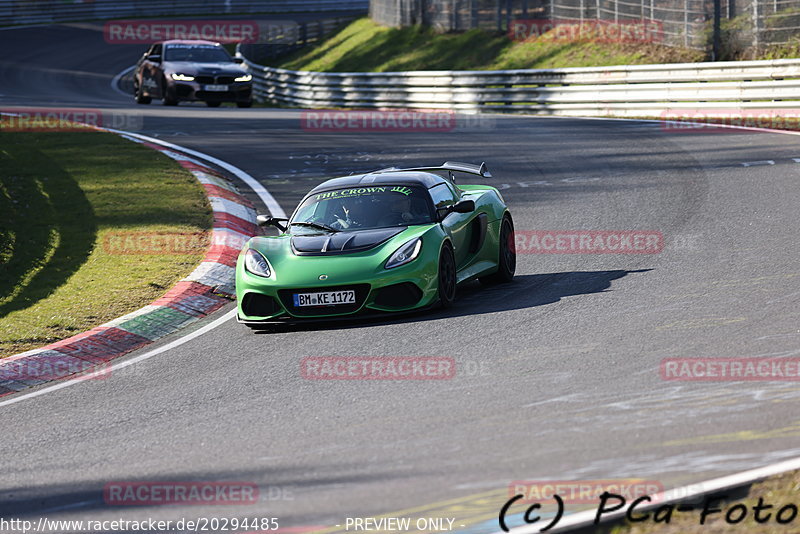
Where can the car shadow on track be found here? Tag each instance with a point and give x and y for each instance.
(526, 291)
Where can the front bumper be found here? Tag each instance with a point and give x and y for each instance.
(194, 92)
(383, 297)
(377, 290)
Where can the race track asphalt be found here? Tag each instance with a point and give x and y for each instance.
(557, 374)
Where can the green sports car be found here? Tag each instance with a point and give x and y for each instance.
(387, 241)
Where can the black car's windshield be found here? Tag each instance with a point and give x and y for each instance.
(356, 208)
(197, 54)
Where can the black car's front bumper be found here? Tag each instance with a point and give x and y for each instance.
(194, 92)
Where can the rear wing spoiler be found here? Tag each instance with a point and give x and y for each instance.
(452, 166)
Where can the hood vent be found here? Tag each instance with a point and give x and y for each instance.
(342, 242)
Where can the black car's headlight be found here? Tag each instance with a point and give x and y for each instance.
(244, 78)
(256, 263)
(408, 252)
(182, 77)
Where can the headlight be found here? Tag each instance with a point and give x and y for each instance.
(405, 254)
(182, 77)
(255, 263)
(245, 78)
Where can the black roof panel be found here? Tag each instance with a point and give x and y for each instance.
(424, 179)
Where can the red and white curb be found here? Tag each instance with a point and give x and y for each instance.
(209, 287)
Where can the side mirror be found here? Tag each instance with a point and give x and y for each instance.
(465, 206)
(238, 60)
(155, 58)
(269, 220)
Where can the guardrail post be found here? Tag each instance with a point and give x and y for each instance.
(686, 23)
(473, 14)
(756, 26)
(717, 16)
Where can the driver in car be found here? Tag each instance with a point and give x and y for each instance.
(400, 212)
(352, 214)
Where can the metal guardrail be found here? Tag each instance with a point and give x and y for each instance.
(636, 90)
(18, 12)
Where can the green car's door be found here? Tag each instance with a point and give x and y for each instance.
(455, 224)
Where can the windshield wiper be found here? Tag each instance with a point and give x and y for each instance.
(315, 225)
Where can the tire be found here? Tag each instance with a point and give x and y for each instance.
(167, 99)
(447, 276)
(507, 262)
(213, 104)
(139, 95)
(244, 104)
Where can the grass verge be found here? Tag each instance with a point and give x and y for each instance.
(363, 46)
(66, 199)
(776, 491)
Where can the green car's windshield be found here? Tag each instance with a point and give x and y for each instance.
(356, 208)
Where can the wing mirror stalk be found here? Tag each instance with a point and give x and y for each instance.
(268, 220)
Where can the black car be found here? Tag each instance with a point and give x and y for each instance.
(191, 71)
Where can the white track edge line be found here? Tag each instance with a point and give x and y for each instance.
(265, 196)
(585, 518)
(117, 78)
(147, 355)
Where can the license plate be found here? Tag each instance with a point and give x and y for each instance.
(327, 298)
(220, 88)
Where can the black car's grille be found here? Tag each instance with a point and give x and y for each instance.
(215, 80)
(216, 95)
(287, 299)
